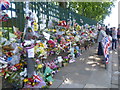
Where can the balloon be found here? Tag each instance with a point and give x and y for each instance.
(4, 4)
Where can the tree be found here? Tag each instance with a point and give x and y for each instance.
(94, 10)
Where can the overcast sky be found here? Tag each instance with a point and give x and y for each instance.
(113, 18)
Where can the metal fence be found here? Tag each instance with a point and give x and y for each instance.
(43, 10)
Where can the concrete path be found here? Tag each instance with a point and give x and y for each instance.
(89, 72)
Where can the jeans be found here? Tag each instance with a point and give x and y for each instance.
(114, 43)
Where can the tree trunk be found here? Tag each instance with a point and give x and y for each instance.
(63, 4)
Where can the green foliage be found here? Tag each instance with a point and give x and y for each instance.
(94, 10)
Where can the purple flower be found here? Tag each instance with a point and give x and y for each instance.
(66, 57)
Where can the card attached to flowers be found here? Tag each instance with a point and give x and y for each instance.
(31, 52)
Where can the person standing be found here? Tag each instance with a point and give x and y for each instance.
(118, 34)
(114, 38)
(101, 35)
(107, 30)
(110, 32)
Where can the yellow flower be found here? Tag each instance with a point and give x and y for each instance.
(68, 39)
(50, 82)
(62, 29)
(39, 66)
(41, 44)
(25, 80)
(0, 33)
(60, 21)
(33, 84)
(20, 64)
(54, 30)
(19, 48)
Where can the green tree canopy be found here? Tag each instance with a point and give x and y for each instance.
(94, 10)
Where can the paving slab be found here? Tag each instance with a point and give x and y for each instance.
(78, 78)
(56, 83)
(114, 86)
(95, 86)
(115, 79)
(115, 67)
(72, 68)
(71, 85)
(99, 79)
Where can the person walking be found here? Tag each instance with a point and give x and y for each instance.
(114, 38)
(101, 35)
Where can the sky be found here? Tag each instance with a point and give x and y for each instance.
(113, 18)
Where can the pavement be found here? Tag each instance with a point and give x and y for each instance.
(89, 72)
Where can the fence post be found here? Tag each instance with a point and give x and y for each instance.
(47, 15)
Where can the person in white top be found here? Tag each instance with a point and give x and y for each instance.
(101, 35)
(114, 38)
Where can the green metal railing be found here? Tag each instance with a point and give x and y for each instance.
(44, 10)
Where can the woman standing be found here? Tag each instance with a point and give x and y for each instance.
(101, 35)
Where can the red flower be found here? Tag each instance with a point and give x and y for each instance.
(27, 17)
(31, 79)
(82, 33)
(90, 31)
(36, 44)
(62, 23)
(51, 42)
(9, 54)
